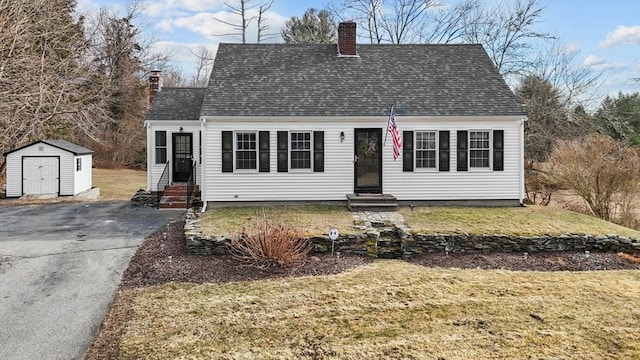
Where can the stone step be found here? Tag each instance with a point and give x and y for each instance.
(173, 205)
(371, 202)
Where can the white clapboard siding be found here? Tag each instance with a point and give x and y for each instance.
(474, 184)
(154, 171)
(14, 168)
(333, 184)
(337, 179)
(83, 178)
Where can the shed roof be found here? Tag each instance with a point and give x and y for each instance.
(60, 144)
(176, 104)
(312, 80)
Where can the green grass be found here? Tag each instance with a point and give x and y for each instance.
(311, 219)
(530, 220)
(392, 309)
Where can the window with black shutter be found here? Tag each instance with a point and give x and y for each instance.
(407, 151)
(443, 150)
(498, 150)
(264, 151)
(283, 151)
(461, 163)
(161, 147)
(227, 151)
(318, 151)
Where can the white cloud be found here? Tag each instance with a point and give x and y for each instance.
(623, 35)
(596, 63)
(180, 7)
(569, 49)
(593, 60)
(205, 23)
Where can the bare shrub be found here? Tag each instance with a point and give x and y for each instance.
(603, 172)
(267, 244)
(538, 185)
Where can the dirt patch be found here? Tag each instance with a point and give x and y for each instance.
(163, 258)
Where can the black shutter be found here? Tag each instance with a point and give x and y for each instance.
(318, 151)
(498, 150)
(462, 151)
(283, 151)
(407, 151)
(264, 151)
(227, 151)
(443, 150)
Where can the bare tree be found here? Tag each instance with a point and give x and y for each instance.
(47, 88)
(122, 56)
(366, 13)
(507, 34)
(204, 62)
(263, 27)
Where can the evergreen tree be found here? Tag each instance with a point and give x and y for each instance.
(312, 28)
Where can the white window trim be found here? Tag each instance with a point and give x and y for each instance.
(311, 144)
(415, 152)
(480, 169)
(235, 151)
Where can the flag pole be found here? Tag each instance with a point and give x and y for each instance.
(388, 121)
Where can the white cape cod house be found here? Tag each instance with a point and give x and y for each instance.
(283, 122)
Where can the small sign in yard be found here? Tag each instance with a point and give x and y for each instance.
(333, 234)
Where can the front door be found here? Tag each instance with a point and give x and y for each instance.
(182, 155)
(368, 161)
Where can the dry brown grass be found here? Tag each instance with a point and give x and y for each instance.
(530, 220)
(119, 184)
(392, 309)
(312, 219)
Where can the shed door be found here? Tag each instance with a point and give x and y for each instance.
(40, 175)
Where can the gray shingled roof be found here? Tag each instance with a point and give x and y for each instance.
(311, 80)
(60, 144)
(176, 104)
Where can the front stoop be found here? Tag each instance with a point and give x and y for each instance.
(175, 196)
(372, 202)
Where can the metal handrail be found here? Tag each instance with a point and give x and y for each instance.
(163, 182)
(191, 183)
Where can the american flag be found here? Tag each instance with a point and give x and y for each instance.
(392, 127)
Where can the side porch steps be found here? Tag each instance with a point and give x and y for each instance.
(371, 202)
(175, 196)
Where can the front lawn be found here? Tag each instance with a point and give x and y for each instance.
(530, 220)
(392, 309)
(311, 219)
(315, 220)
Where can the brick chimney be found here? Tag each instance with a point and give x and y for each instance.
(347, 39)
(154, 84)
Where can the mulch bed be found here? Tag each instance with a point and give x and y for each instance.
(163, 258)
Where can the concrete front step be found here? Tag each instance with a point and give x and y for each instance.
(371, 202)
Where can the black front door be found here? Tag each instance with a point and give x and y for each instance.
(368, 161)
(182, 154)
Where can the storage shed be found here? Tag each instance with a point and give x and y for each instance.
(48, 167)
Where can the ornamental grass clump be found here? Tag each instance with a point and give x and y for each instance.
(266, 244)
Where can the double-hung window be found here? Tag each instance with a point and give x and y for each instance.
(300, 150)
(246, 151)
(479, 149)
(161, 147)
(426, 149)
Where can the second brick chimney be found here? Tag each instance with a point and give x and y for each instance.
(154, 84)
(347, 39)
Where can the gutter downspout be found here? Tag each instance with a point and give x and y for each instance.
(203, 165)
(521, 162)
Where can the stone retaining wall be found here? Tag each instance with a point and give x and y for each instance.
(398, 242)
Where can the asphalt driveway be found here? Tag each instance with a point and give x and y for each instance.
(59, 268)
